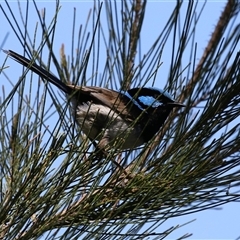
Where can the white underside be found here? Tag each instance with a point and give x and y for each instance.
(116, 133)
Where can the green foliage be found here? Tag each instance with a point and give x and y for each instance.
(50, 181)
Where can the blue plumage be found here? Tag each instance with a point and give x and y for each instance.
(123, 120)
(149, 101)
(160, 91)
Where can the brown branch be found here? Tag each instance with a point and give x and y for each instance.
(213, 42)
(138, 10)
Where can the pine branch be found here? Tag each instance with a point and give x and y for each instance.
(49, 178)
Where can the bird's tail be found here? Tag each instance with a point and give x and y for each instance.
(39, 71)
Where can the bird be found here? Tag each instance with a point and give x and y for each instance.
(114, 119)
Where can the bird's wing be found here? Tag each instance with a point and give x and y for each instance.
(110, 98)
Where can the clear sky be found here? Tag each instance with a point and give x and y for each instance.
(209, 224)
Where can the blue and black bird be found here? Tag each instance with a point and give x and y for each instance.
(116, 119)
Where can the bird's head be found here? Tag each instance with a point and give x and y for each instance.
(152, 99)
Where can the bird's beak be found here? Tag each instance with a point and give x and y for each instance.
(176, 104)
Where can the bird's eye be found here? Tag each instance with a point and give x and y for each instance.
(150, 101)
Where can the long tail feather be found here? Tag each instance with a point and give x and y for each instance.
(39, 71)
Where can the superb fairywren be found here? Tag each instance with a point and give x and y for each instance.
(119, 119)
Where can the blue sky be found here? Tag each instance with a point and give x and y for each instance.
(209, 224)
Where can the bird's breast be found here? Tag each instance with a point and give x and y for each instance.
(99, 121)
